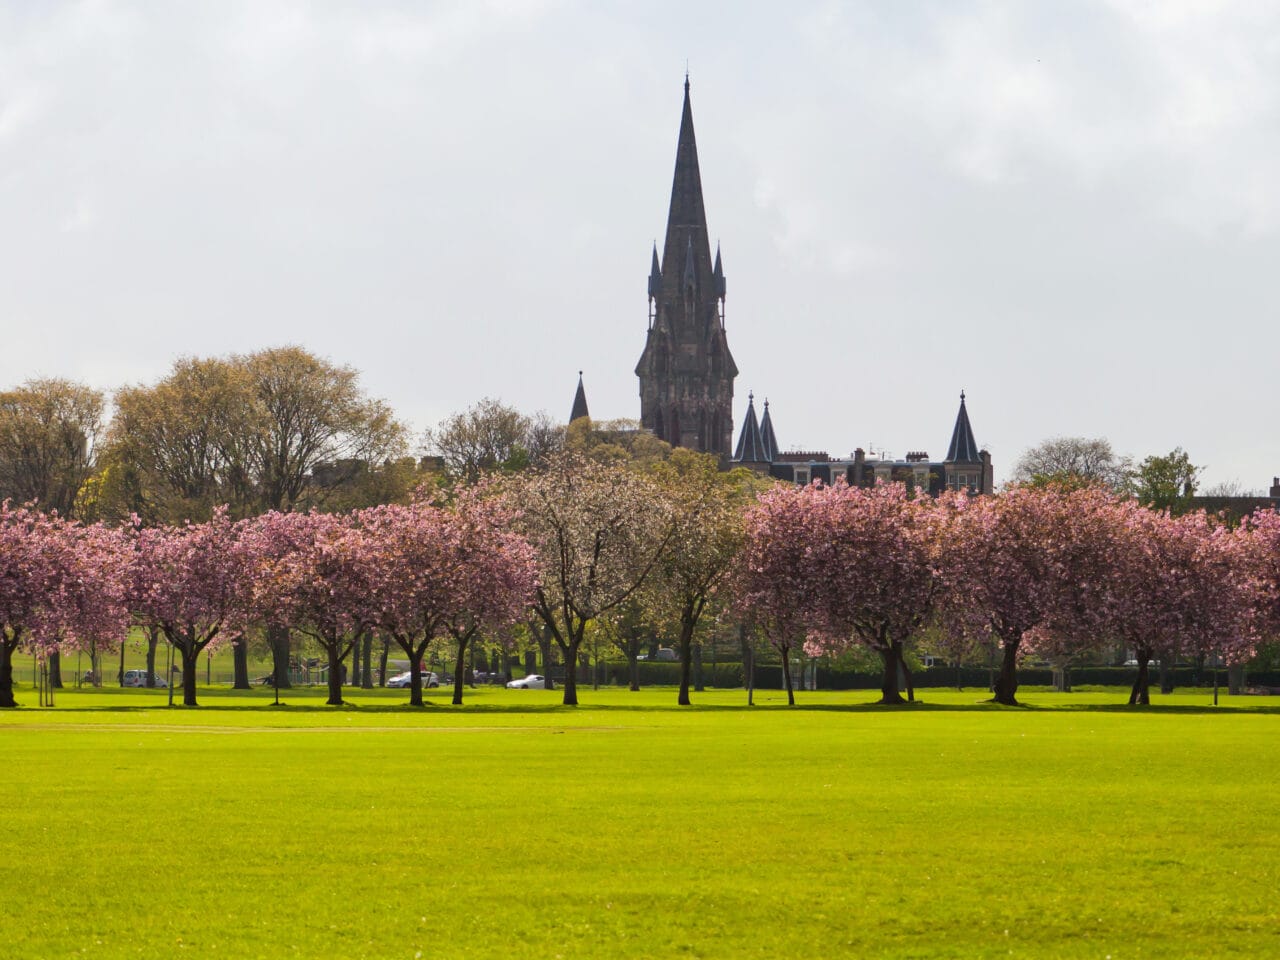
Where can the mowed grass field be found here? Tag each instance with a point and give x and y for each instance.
(628, 827)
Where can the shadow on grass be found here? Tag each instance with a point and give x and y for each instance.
(307, 701)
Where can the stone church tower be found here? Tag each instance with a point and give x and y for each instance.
(686, 371)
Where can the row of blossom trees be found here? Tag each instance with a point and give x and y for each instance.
(414, 572)
(1045, 571)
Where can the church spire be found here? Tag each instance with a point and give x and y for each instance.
(579, 402)
(686, 371)
(963, 449)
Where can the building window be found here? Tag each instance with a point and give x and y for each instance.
(802, 476)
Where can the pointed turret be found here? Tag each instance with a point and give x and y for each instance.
(686, 370)
(750, 447)
(579, 402)
(768, 441)
(963, 449)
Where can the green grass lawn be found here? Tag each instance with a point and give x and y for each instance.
(629, 827)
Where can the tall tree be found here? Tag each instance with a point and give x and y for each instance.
(598, 530)
(1074, 462)
(491, 436)
(178, 449)
(48, 435)
(310, 414)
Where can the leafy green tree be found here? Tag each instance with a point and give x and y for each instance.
(48, 432)
(491, 436)
(707, 508)
(1168, 482)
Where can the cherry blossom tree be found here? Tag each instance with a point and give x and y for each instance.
(598, 530)
(777, 584)
(60, 582)
(876, 547)
(497, 574)
(1029, 559)
(93, 606)
(415, 578)
(315, 577)
(195, 582)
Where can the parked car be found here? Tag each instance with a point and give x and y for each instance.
(429, 679)
(532, 682)
(138, 678)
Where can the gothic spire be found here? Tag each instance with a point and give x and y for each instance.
(687, 217)
(655, 276)
(717, 276)
(768, 442)
(579, 402)
(963, 449)
(750, 448)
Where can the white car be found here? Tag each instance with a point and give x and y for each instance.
(532, 682)
(406, 678)
(138, 678)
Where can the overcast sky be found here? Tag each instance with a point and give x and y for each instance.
(1071, 211)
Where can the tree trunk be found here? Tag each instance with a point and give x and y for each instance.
(190, 664)
(908, 679)
(240, 663)
(153, 637)
(336, 656)
(54, 662)
(354, 679)
(570, 652)
(458, 668)
(1235, 679)
(6, 674)
(1007, 682)
(786, 676)
(698, 685)
(890, 658)
(544, 645)
(633, 667)
(686, 660)
(1166, 675)
(1140, 693)
(120, 675)
(278, 638)
(382, 662)
(366, 648)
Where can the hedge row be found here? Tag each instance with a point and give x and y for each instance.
(769, 676)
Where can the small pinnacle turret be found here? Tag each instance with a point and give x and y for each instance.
(963, 448)
(579, 402)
